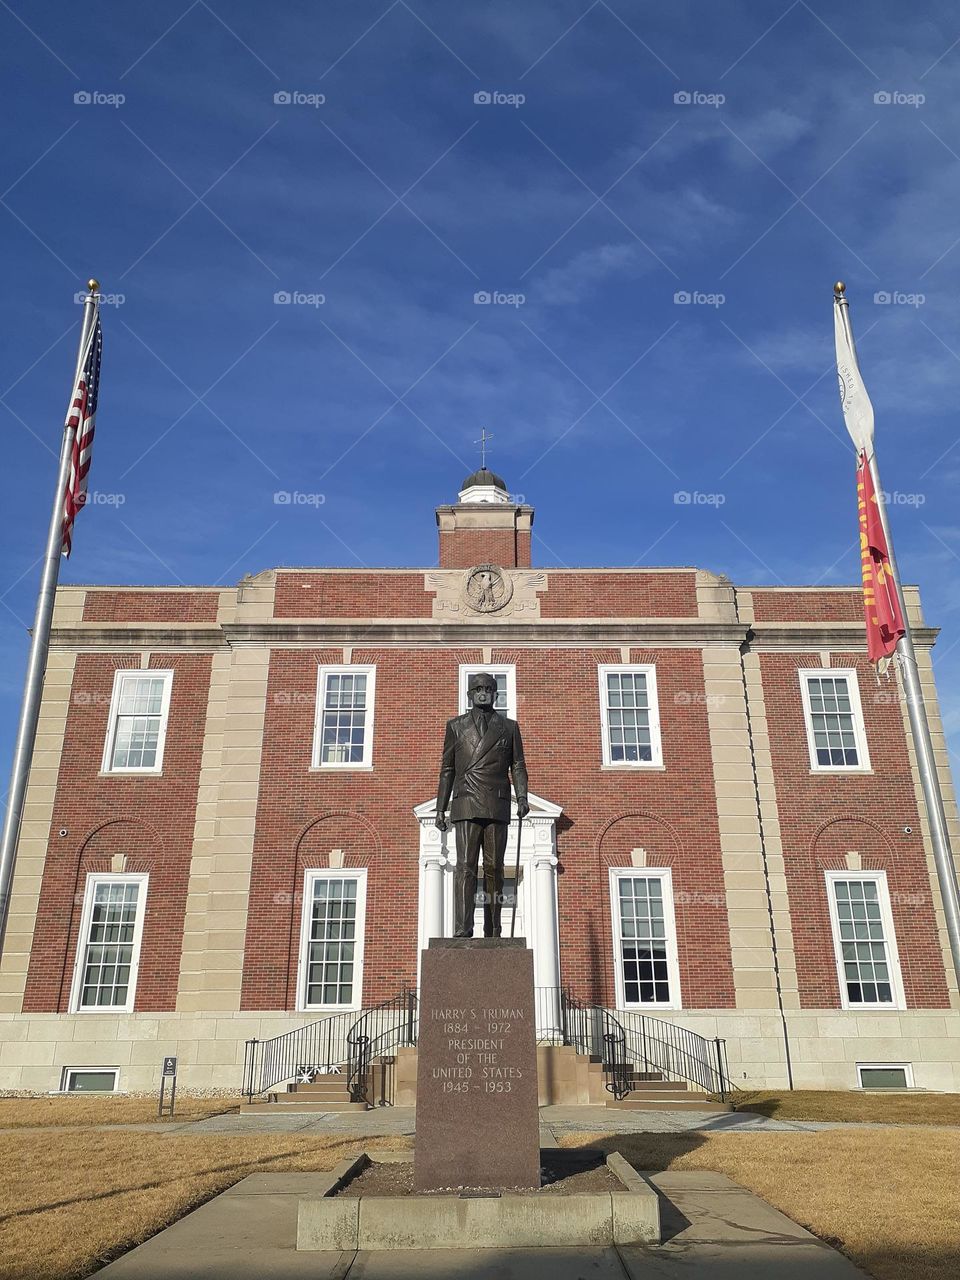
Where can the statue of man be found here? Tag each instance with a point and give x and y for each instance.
(482, 750)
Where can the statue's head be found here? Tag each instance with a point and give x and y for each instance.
(482, 689)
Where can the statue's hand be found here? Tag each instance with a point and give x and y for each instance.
(522, 808)
(441, 823)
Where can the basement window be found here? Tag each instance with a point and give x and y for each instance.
(885, 1075)
(89, 1079)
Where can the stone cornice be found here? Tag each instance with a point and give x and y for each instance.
(428, 632)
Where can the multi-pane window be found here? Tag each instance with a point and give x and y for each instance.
(506, 678)
(864, 940)
(344, 728)
(644, 938)
(332, 951)
(109, 942)
(629, 715)
(138, 722)
(834, 721)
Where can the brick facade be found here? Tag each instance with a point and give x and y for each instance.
(824, 816)
(148, 819)
(228, 829)
(305, 813)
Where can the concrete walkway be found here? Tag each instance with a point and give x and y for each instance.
(554, 1122)
(712, 1228)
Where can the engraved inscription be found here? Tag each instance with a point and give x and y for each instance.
(474, 1051)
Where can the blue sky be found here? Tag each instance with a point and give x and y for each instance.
(619, 155)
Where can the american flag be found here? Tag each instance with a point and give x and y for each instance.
(82, 418)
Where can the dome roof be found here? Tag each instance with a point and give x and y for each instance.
(484, 476)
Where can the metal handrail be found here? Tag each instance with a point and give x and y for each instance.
(625, 1042)
(318, 1046)
(628, 1043)
(391, 1025)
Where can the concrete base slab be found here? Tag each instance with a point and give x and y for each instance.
(506, 1221)
(722, 1231)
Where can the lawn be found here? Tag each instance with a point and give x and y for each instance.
(75, 1199)
(87, 1109)
(887, 1197)
(876, 1108)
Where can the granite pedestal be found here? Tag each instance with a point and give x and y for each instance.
(477, 1118)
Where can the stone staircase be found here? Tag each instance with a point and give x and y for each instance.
(325, 1093)
(651, 1092)
(566, 1078)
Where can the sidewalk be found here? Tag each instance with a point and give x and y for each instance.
(712, 1227)
(554, 1122)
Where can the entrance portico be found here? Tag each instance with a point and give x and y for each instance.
(536, 890)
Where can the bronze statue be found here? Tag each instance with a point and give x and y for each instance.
(482, 750)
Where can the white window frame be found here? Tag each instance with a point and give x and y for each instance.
(807, 674)
(67, 1072)
(311, 875)
(95, 878)
(665, 876)
(656, 747)
(905, 1067)
(354, 669)
(136, 673)
(889, 936)
(508, 669)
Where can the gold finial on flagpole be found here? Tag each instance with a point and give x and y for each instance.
(93, 286)
(839, 288)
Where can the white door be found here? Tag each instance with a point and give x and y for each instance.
(506, 914)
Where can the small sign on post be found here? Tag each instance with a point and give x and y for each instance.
(169, 1072)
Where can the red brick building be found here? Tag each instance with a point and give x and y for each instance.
(229, 827)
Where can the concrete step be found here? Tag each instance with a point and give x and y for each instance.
(336, 1084)
(655, 1086)
(295, 1106)
(295, 1099)
(659, 1102)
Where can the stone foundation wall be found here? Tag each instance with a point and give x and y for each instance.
(825, 1046)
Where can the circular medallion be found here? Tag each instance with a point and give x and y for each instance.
(486, 588)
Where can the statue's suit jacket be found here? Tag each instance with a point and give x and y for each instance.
(476, 771)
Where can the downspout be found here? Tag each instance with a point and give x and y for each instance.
(745, 649)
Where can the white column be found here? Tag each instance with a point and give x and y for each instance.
(547, 946)
(433, 896)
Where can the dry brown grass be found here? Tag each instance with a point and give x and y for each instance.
(75, 1199)
(887, 1197)
(84, 1109)
(877, 1108)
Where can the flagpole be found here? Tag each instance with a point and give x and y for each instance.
(40, 642)
(913, 692)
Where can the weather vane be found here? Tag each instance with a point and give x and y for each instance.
(485, 435)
